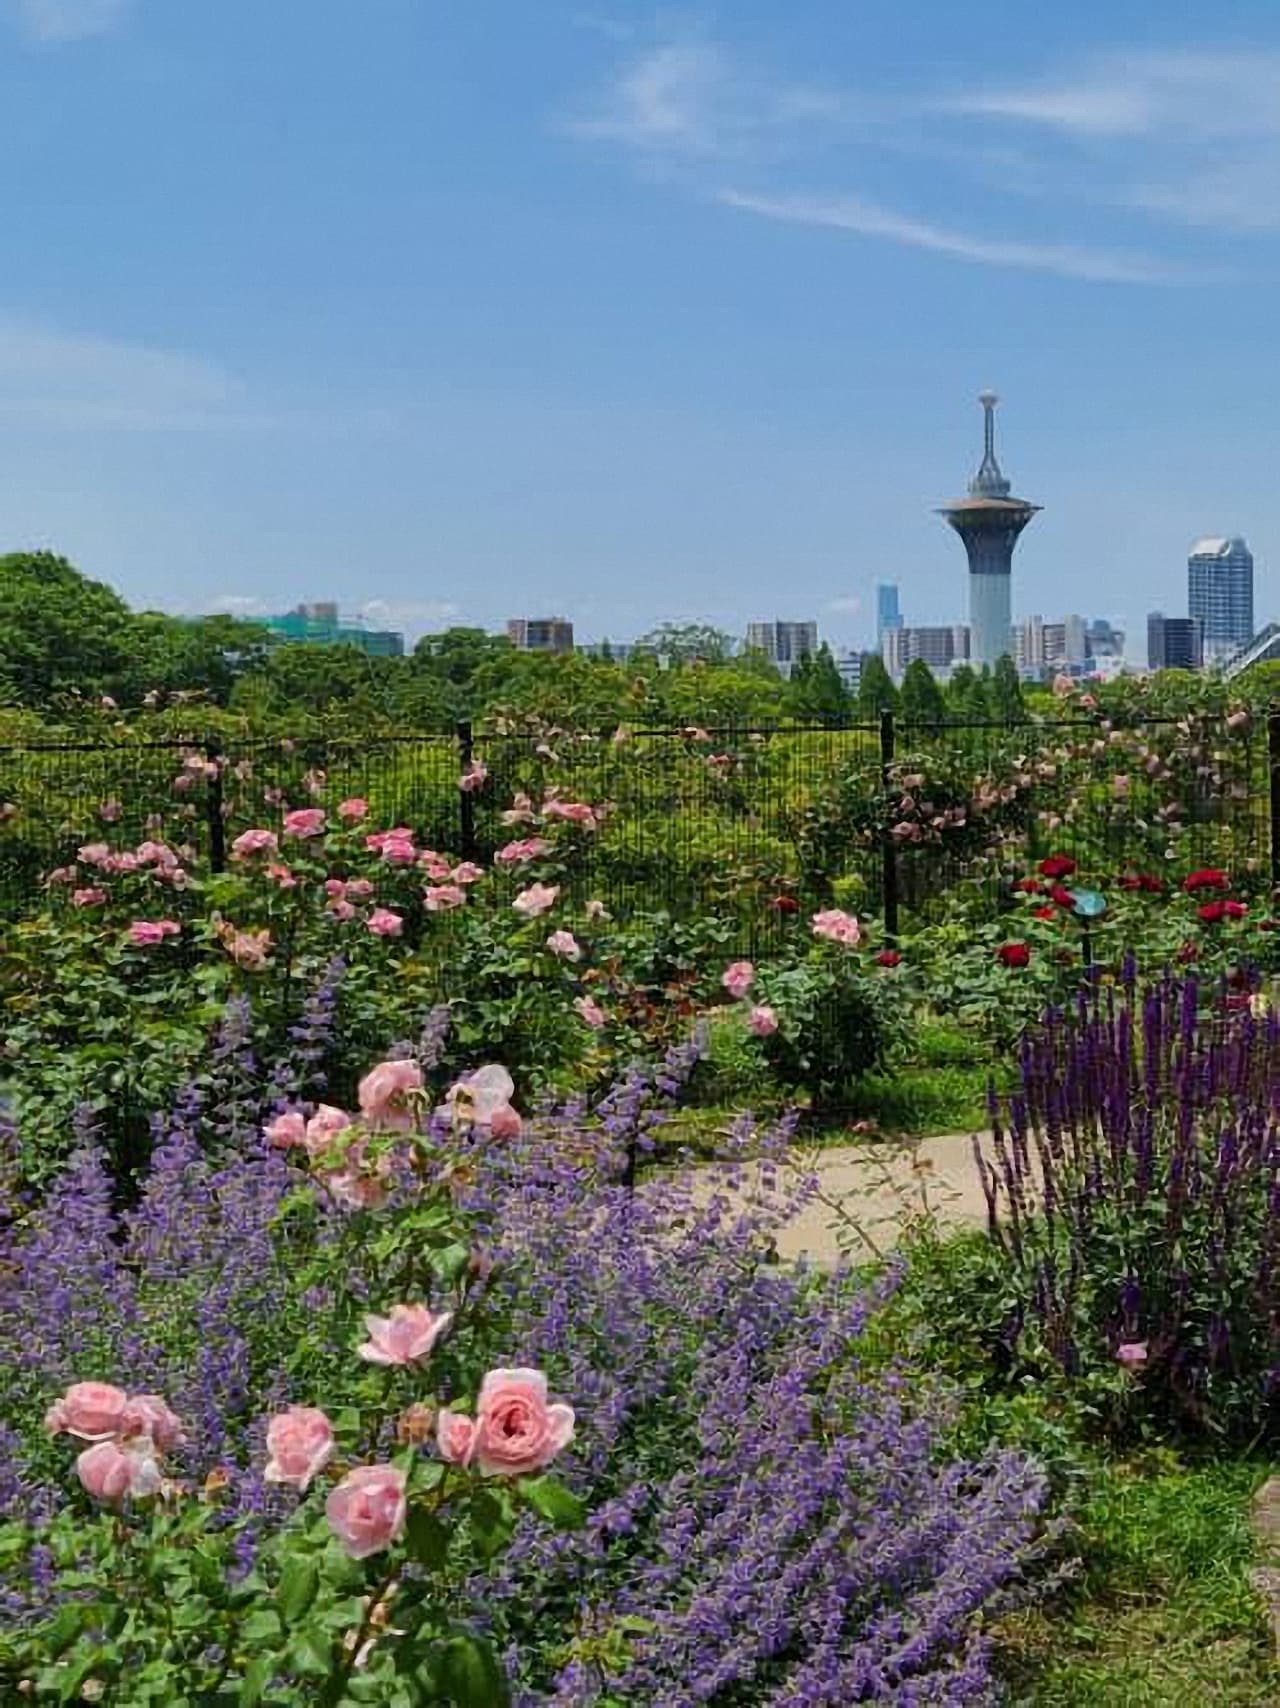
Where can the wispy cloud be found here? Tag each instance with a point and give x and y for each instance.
(848, 607)
(845, 213)
(412, 615)
(1179, 136)
(71, 20)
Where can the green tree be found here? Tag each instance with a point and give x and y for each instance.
(681, 643)
(59, 631)
(967, 696)
(816, 693)
(1007, 703)
(876, 692)
(921, 701)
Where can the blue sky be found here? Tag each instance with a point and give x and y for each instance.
(458, 311)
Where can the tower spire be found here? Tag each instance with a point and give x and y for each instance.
(989, 482)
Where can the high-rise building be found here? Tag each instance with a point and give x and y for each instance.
(941, 648)
(1103, 640)
(540, 634)
(989, 522)
(318, 624)
(1174, 643)
(888, 610)
(784, 644)
(1220, 594)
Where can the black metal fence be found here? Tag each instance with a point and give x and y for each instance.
(885, 817)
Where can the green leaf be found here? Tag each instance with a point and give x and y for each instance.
(299, 1581)
(468, 1672)
(551, 1500)
(257, 1676)
(261, 1627)
(427, 1537)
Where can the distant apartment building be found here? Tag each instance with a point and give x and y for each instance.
(783, 643)
(850, 664)
(1220, 595)
(888, 610)
(318, 624)
(941, 648)
(540, 634)
(1103, 640)
(1174, 643)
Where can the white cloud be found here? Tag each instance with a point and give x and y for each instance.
(70, 20)
(413, 615)
(846, 213)
(238, 605)
(848, 607)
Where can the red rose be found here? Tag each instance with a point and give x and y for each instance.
(1057, 866)
(1046, 913)
(1151, 885)
(1211, 878)
(1062, 897)
(1029, 887)
(1213, 912)
(1235, 909)
(888, 958)
(1131, 881)
(785, 904)
(1014, 954)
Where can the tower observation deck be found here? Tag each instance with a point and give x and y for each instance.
(989, 522)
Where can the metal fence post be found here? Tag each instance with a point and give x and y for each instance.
(1273, 772)
(214, 808)
(466, 800)
(889, 848)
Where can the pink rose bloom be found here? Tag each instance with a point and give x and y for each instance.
(149, 1416)
(353, 810)
(474, 777)
(342, 909)
(591, 1012)
(113, 1471)
(520, 853)
(94, 854)
(62, 875)
(324, 1127)
(435, 865)
(249, 949)
(837, 927)
(88, 898)
(536, 900)
(516, 1431)
(126, 862)
(287, 1131)
(383, 923)
(143, 933)
(404, 1337)
(299, 1446)
(564, 944)
(520, 811)
(155, 854)
(377, 840)
(356, 1187)
(90, 1410)
(442, 898)
(572, 812)
(738, 979)
(183, 783)
(467, 873)
(110, 811)
(282, 876)
(1132, 1354)
(483, 1098)
(455, 1437)
(505, 1122)
(399, 851)
(366, 1511)
(762, 1021)
(304, 822)
(254, 842)
(359, 889)
(385, 1093)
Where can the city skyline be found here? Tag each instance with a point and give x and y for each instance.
(652, 317)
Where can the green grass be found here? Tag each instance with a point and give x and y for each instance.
(1164, 1615)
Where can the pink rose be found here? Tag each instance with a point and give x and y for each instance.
(482, 1096)
(505, 1122)
(1132, 1354)
(762, 1021)
(591, 1012)
(536, 900)
(435, 865)
(335, 888)
(520, 811)
(286, 1131)
(517, 1432)
(366, 1511)
(304, 822)
(455, 1437)
(359, 889)
(356, 1187)
(249, 949)
(353, 809)
(383, 923)
(441, 898)
(62, 875)
(88, 898)
(324, 1127)
(93, 854)
(282, 876)
(155, 854)
(149, 1416)
(467, 872)
(143, 933)
(385, 1093)
(399, 851)
(110, 811)
(564, 944)
(404, 1337)
(299, 1446)
(572, 812)
(113, 1471)
(837, 927)
(254, 842)
(738, 978)
(474, 777)
(342, 909)
(91, 1410)
(520, 853)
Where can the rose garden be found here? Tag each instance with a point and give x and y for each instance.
(399, 1134)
